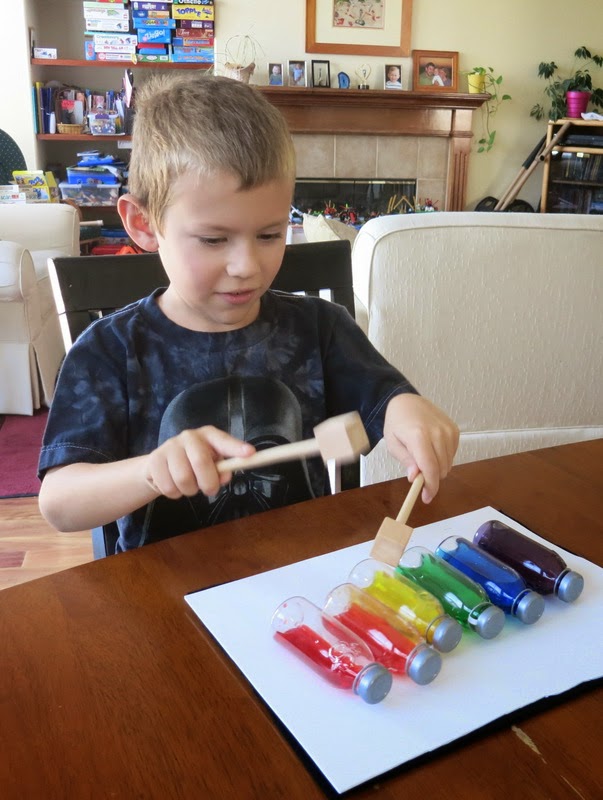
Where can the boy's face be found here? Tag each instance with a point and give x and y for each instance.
(221, 248)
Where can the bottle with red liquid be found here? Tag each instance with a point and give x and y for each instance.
(393, 643)
(504, 586)
(542, 569)
(412, 603)
(331, 648)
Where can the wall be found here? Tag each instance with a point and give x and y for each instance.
(513, 37)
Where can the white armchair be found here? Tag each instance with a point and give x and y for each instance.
(31, 345)
(495, 317)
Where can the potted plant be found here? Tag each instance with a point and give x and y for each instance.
(558, 87)
(484, 80)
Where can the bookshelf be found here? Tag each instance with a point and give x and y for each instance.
(60, 24)
(572, 181)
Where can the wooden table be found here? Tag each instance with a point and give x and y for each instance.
(110, 687)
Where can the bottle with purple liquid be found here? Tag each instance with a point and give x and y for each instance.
(542, 569)
(504, 586)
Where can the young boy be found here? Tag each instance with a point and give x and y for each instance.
(210, 185)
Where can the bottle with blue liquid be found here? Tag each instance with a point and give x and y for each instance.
(503, 585)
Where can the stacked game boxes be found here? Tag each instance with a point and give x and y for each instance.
(108, 36)
(194, 34)
(150, 30)
(153, 24)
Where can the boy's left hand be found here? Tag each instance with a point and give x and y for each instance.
(422, 438)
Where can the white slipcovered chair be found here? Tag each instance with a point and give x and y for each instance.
(496, 317)
(31, 345)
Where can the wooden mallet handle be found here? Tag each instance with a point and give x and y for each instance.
(271, 455)
(341, 439)
(411, 498)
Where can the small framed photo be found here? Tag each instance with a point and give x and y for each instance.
(321, 74)
(392, 76)
(275, 74)
(297, 73)
(435, 70)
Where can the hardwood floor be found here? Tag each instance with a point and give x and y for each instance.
(30, 548)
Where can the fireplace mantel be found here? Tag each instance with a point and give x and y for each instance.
(387, 113)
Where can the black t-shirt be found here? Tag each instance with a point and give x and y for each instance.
(122, 373)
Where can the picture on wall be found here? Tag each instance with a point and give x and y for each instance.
(297, 73)
(275, 74)
(354, 14)
(393, 76)
(435, 70)
(321, 74)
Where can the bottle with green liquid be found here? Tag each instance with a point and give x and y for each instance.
(411, 602)
(460, 596)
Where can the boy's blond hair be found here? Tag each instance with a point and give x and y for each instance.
(194, 123)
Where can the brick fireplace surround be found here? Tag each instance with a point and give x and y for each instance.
(351, 133)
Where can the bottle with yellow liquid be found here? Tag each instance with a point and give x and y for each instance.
(415, 605)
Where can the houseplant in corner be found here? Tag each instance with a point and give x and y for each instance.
(558, 87)
(483, 79)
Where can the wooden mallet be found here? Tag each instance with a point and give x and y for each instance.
(342, 439)
(393, 535)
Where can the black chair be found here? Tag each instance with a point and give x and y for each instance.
(11, 157)
(88, 287)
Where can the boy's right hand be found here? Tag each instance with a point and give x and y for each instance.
(186, 463)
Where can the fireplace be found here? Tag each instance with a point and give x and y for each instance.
(354, 134)
(353, 200)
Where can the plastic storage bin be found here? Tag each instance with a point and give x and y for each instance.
(93, 175)
(90, 194)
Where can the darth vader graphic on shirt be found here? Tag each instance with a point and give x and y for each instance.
(262, 411)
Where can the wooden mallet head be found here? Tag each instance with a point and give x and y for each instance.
(342, 438)
(393, 535)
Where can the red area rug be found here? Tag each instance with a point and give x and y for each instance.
(20, 442)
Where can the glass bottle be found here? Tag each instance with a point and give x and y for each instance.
(461, 597)
(504, 586)
(331, 648)
(542, 569)
(416, 606)
(393, 642)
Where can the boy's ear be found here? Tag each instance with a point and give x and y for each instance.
(136, 223)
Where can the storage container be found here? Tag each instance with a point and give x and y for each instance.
(90, 194)
(103, 123)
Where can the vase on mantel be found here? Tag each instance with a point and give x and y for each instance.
(576, 103)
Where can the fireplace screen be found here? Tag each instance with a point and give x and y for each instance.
(353, 199)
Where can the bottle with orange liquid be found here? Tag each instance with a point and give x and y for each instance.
(394, 643)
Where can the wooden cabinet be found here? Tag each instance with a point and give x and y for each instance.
(572, 181)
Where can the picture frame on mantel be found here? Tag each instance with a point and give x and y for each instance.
(329, 30)
(435, 70)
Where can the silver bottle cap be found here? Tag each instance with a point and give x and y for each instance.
(530, 608)
(490, 622)
(570, 586)
(425, 665)
(447, 634)
(373, 683)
